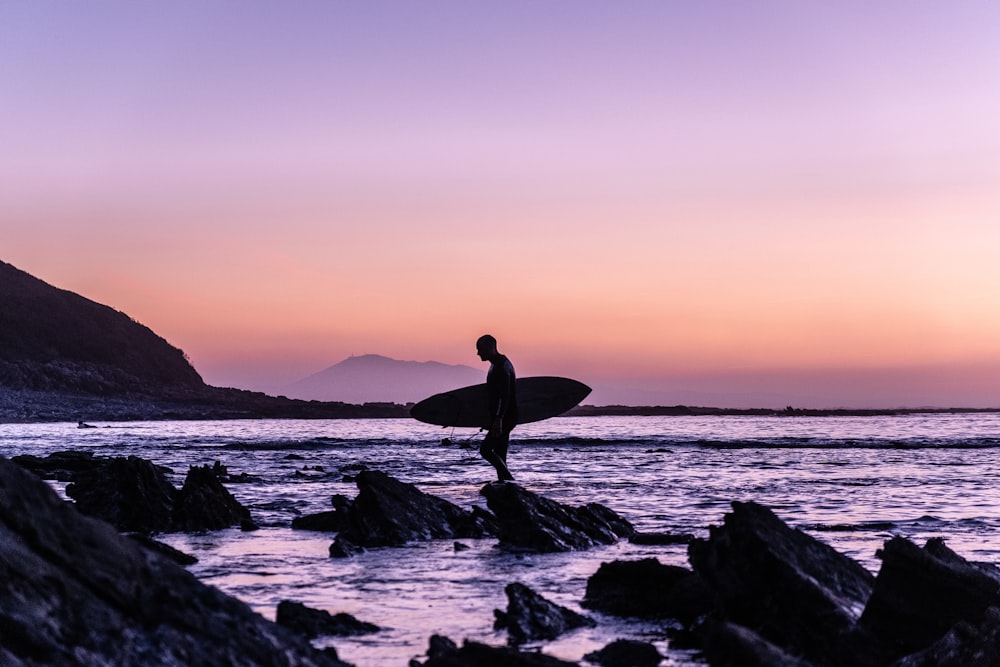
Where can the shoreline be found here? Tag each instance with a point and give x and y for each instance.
(214, 403)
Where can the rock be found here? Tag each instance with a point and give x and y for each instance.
(131, 494)
(73, 591)
(920, 594)
(344, 548)
(317, 622)
(786, 586)
(531, 617)
(204, 504)
(331, 521)
(59, 465)
(444, 653)
(388, 512)
(531, 522)
(648, 589)
(964, 645)
(661, 539)
(730, 645)
(626, 653)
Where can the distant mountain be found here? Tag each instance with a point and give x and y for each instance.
(55, 340)
(374, 378)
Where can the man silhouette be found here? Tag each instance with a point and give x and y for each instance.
(501, 388)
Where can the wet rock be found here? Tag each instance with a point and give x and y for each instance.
(388, 512)
(648, 589)
(330, 522)
(786, 586)
(132, 494)
(965, 645)
(730, 645)
(445, 653)
(531, 617)
(205, 504)
(626, 653)
(73, 591)
(317, 622)
(59, 465)
(344, 548)
(534, 523)
(920, 594)
(661, 539)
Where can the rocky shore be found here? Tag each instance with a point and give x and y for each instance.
(29, 406)
(75, 590)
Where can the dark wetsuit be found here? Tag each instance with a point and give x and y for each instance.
(502, 390)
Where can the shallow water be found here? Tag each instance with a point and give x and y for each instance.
(853, 482)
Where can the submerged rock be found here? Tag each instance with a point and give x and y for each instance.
(648, 589)
(388, 512)
(73, 591)
(626, 653)
(786, 586)
(534, 523)
(530, 617)
(445, 653)
(317, 622)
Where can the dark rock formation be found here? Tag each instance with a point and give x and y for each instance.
(204, 504)
(75, 592)
(388, 512)
(445, 653)
(920, 594)
(317, 622)
(731, 645)
(648, 589)
(131, 494)
(59, 465)
(134, 495)
(531, 522)
(965, 645)
(531, 617)
(661, 539)
(331, 521)
(786, 586)
(626, 653)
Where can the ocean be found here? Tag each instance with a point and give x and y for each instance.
(852, 482)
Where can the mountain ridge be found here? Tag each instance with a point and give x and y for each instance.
(377, 378)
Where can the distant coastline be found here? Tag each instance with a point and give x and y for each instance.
(21, 406)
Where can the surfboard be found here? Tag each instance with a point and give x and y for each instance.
(538, 398)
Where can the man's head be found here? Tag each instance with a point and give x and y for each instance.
(486, 347)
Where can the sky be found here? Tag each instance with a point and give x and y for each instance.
(713, 203)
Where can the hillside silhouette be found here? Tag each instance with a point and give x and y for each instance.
(53, 339)
(66, 357)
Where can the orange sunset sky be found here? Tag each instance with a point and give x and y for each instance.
(713, 203)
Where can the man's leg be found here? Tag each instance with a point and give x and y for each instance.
(494, 450)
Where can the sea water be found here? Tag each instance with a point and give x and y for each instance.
(852, 482)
